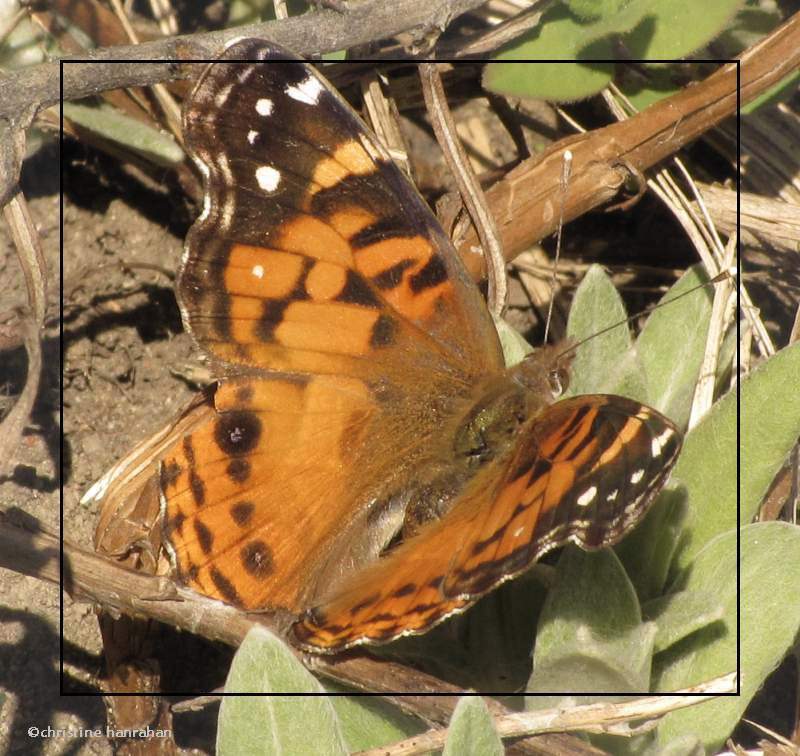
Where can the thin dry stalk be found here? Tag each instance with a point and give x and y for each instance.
(168, 105)
(468, 185)
(599, 718)
(29, 252)
(721, 314)
(383, 118)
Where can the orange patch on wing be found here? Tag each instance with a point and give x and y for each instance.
(348, 159)
(327, 327)
(508, 498)
(628, 432)
(559, 482)
(314, 238)
(243, 314)
(536, 490)
(565, 448)
(378, 257)
(350, 220)
(355, 157)
(260, 395)
(416, 305)
(325, 281)
(520, 528)
(261, 272)
(242, 310)
(415, 299)
(336, 394)
(510, 495)
(281, 359)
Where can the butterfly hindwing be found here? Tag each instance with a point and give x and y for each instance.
(562, 485)
(258, 499)
(584, 472)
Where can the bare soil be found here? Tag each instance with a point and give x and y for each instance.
(122, 340)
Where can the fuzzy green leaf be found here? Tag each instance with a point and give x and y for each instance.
(370, 722)
(514, 346)
(275, 724)
(770, 620)
(676, 28)
(109, 123)
(707, 468)
(770, 420)
(591, 636)
(606, 363)
(560, 36)
(472, 731)
(680, 614)
(671, 346)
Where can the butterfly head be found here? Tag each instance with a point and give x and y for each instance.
(546, 371)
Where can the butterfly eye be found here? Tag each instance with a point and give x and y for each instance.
(558, 378)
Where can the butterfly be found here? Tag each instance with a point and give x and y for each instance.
(366, 463)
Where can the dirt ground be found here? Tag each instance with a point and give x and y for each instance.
(122, 338)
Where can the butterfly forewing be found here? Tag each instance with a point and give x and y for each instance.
(314, 251)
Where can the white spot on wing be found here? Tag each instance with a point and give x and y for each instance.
(268, 178)
(587, 497)
(637, 476)
(307, 91)
(613, 495)
(221, 97)
(264, 106)
(227, 204)
(258, 271)
(252, 136)
(206, 196)
(657, 445)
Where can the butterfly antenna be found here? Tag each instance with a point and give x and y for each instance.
(728, 273)
(566, 172)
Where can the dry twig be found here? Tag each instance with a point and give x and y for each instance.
(598, 718)
(471, 192)
(29, 252)
(524, 202)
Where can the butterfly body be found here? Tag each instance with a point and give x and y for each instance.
(369, 465)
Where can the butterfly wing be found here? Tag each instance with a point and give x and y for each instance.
(314, 253)
(584, 472)
(325, 290)
(249, 495)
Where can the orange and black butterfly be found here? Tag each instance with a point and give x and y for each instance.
(368, 464)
